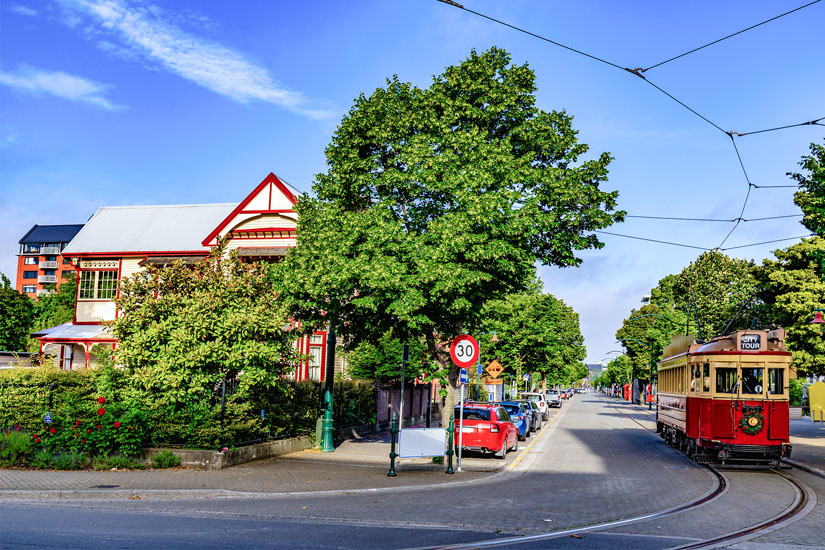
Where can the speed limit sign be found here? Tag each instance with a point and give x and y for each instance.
(464, 351)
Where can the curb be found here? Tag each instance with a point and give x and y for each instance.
(805, 467)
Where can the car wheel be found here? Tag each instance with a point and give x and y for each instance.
(523, 437)
(529, 432)
(503, 452)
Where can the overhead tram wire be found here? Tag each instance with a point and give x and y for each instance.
(729, 36)
(703, 248)
(667, 218)
(639, 72)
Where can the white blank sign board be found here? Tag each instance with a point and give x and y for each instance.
(414, 442)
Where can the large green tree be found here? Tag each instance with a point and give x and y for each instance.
(720, 291)
(811, 195)
(793, 286)
(437, 200)
(182, 328)
(16, 317)
(645, 333)
(54, 309)
(381, 361)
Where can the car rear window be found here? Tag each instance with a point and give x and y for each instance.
(473, 414)
(512, 409)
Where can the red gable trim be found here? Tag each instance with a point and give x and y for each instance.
(265, 229)
(270, 179)
(117, 255)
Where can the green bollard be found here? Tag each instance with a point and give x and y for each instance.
(326, 429)
(450, 451)
(393, 454)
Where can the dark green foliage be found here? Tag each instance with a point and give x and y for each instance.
(15, 448)
(438, 200)
(811, 195)
(54, 309)
(381, 361)
(795, 392)
(165, 459)
(16, 317)
(118, 462)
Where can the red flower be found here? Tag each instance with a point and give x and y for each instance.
(89, 431)
(101, 411)
(117, 424)
(98, 426)
(37, 440)
(52, 430)
(84, 441)
(101, 400)
(78, 423)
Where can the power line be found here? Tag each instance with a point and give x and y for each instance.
(815, 122)
(699, 247)
(768, 242)
(652, 240)
(729, 36)
(668, 218)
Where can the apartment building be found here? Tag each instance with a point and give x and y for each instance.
(40, 262)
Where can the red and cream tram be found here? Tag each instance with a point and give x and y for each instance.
(726, 401)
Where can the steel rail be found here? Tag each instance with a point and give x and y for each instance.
(800, 501)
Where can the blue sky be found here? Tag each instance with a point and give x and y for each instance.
(120, 103)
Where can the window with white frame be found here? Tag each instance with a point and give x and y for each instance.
(28, 289)
(315, 353)
(31, 260)
(97, 285)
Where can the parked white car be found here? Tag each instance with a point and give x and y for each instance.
(540, 400)
(553, 398)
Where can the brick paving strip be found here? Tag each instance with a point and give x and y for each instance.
(355, 466)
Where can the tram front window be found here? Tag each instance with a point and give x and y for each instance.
(752, 380)
(776, 381)
(725, 380)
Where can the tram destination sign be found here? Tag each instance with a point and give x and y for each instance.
(750, 342)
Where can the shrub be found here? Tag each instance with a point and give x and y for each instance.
(15, 448)
(119, 462)
(69, 461)
(165, 459)
(795, 392)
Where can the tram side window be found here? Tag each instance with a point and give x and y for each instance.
(706, 377)
(696, 381)
(776, 381)
(752, 380)
(725, 380)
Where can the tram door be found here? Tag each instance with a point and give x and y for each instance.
(725, 378)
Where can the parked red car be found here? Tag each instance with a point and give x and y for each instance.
(486, 428)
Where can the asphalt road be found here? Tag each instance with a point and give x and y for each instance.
(596, 463)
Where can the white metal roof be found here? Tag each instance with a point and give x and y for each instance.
(78, 332)
(166, 228)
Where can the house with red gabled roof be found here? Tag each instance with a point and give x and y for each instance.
(118, 241)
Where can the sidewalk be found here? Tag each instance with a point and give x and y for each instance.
(808, 440)
(355, 465)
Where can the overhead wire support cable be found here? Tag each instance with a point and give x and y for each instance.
(815, 122)
(769, 242)
(729, 36)
(652, 240)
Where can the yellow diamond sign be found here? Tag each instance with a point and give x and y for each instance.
(494, 368)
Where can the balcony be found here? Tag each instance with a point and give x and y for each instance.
(48, 265)
(46, 250)
(47, 279)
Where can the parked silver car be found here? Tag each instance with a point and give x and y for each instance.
(540, 400)
(553, 398)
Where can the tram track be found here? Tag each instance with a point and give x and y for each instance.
(801, 504)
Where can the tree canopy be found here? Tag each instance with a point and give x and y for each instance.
(16, 317)
(793, 287)
(182, 328)
(437, 200)
(537, 333)
(811, 195)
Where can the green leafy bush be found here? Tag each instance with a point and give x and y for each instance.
(69, 461)
(119, 462)
(165, 459)
(15, 448)
(795, 392)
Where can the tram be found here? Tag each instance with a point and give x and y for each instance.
(726, 401)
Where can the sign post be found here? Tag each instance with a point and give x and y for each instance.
(464, 351)
(463, 379)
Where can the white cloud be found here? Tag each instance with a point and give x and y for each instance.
(148, 32)
(20, 9)
(60, 84)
